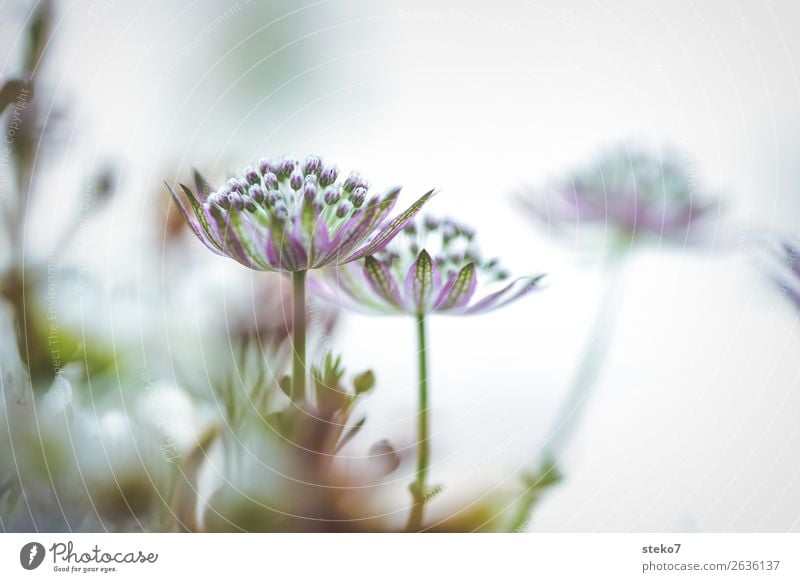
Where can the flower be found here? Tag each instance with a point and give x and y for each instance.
(286, 216)
(433, 267)
(790, 282)
(632, 191)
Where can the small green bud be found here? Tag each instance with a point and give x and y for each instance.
(364, 382)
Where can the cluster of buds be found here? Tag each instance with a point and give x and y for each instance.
(283, 215)
(434, 267)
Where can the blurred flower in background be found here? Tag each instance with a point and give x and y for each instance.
(631, 194)
(626, 198)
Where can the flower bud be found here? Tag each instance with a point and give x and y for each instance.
(280, 211)
(312, 165)
(328, 175)
(310, 191)
(364, 382)
(234, 185)
(270, 181)
(332, 195)
(235, 200)
(296, 180)
(256, 192)
(343, 209)
(287, 166)
(249, 203)
(358, 196)
(251, 175)
(263, 166)
(352, 182)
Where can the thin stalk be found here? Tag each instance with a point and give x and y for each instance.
(594, 355)
(299, 337)
(418, 488)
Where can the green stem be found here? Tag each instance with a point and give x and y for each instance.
(594, 356)
(418, 488)
(299, 340)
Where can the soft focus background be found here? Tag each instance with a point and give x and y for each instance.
(694, 422)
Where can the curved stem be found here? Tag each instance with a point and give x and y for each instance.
(586, 376)
(299, 337)
(423, 431)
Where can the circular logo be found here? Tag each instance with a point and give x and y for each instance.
(31, 555)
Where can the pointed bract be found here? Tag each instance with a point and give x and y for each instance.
(433, 267)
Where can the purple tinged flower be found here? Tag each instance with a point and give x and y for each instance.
(634, 192)
(270, 226)
(404, 279)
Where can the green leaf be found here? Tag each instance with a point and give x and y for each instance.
(351, 433)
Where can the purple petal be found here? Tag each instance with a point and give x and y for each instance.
(507, 294)
(458, 290)
(389, 231)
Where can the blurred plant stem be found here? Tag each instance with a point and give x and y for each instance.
(299, 337)
(418, 491)
(594, 354)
